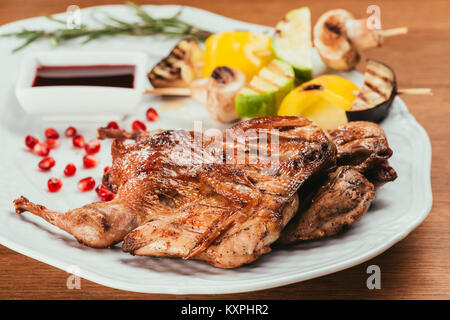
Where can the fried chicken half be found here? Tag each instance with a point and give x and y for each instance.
(225, 199)
(222, 199)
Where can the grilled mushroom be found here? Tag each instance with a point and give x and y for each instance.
(338, 37)
(218, 92)
(361, 36)
(179, 68)
(221, 89)
(332, 42)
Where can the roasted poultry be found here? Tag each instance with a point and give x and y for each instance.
(225, 199)
(201, 197)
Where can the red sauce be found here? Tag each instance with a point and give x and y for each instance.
(121, 76)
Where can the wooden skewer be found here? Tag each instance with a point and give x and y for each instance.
(186, 92)
(183, 92)
(425, 91)
(418, 91)
(393, 32)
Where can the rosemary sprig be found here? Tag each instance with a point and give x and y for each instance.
(147, 25)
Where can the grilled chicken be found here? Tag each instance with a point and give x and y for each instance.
(222, 199)
(380, 174)
(341, 200)
(329, 207)
(179, 68)
(361, 144)
(226, 199)
(235, 208)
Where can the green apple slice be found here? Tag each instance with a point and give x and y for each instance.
(263, 95)
(292, 42)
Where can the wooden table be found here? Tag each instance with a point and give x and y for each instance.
(415, 268)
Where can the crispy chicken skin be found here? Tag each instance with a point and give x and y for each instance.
(185, 194)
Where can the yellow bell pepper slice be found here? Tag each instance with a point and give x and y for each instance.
(323, 100)
(246, 51)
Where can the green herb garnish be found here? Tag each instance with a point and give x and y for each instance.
(148, 25)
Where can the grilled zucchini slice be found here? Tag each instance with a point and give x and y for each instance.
(266, 90)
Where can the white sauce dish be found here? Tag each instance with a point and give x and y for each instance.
(76, 102)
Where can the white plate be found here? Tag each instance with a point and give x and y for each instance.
(399, 207)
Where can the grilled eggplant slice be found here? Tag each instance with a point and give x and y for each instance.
(376, 95)
(179, 68)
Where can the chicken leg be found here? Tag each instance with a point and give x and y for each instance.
(98, 225)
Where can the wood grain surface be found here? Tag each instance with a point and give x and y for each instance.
(415, 268)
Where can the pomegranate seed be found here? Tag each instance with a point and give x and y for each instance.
(107, 168)
(104, 194)
(31, 141)
(41, 149)
(46, 163)
(70, 132)
(92, 146)
(89, 161)
(54, 184)
(100, 189)
(113, 125)
(51, 133)
(86, 184)
(107, 196)
(78, 141)
(70, 170)
(152, 115)
(138, 125)
(53, 143)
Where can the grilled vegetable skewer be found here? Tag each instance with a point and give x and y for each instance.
(228, 97)
(216, 92)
